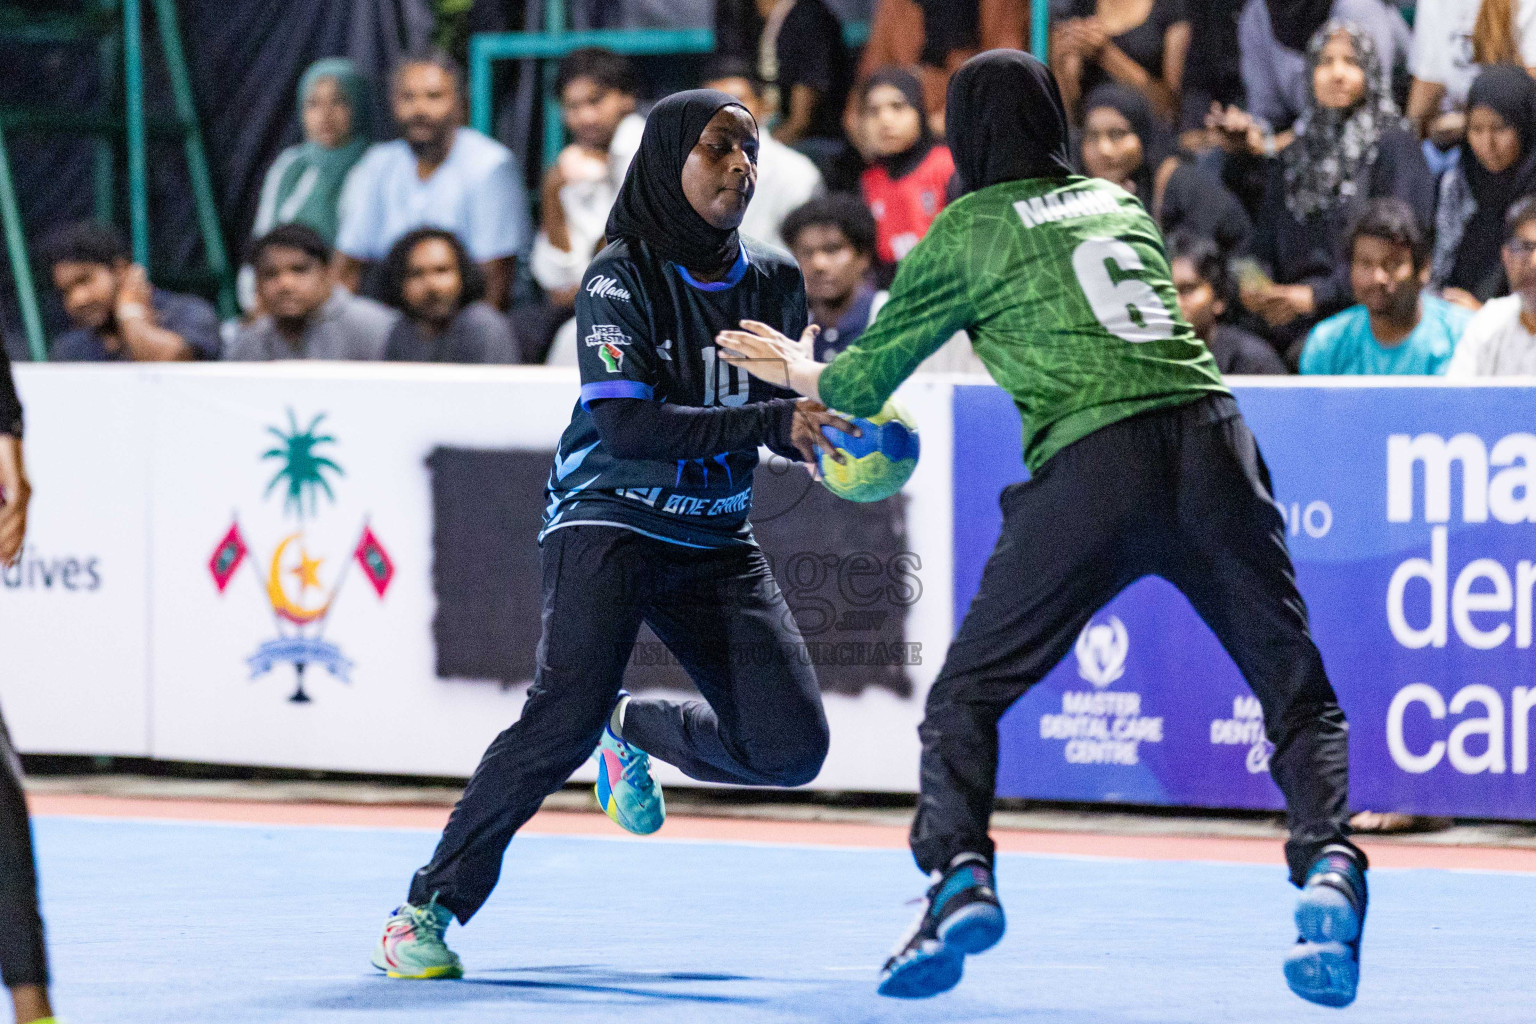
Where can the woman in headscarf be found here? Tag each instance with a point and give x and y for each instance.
(1137, 44)
(303, 185)
(1351, 145)
(1273, 36)
(1497, 167)
(907, 182)
(1140, 465)
(647, 522)
(1123, 142)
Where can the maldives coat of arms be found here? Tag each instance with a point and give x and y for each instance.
(291, 580)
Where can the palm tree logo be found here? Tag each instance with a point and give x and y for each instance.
(303, 468)
(293, 583)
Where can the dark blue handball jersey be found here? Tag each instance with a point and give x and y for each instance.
(646, 329)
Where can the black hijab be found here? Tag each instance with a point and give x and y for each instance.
(1294, 22)
(1005, 121)
(899, 165)
(1510, 93)
(651, 205)
(1156, 145)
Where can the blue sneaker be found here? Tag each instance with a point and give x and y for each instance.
(1324, 965)
(960, 915)
(625, 790)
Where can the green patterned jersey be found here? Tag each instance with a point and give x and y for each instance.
(1065, 291)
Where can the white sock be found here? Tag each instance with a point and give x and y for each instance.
(616, 720)
(961, 858)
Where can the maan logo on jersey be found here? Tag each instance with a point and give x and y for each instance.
(1101, 651)
(607, 288)
(293, 584)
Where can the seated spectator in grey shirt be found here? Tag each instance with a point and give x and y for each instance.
(440, 293)
(117, 316)
(304, 314)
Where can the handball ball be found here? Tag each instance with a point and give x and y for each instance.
(878, 463)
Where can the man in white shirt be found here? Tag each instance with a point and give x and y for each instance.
(597, 91)
(1441, 58)
(1501, 339)
(786, 179)
(438, 174)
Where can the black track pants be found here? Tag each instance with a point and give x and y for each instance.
(719, 612)
(23, 958)
(1183, 494)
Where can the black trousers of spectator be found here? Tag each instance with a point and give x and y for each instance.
(23, 957)
(1183, 494)
(719, 612)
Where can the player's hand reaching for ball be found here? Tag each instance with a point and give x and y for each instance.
(806, 436)
(772, 357)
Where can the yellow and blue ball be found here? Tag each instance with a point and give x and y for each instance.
(879, 462)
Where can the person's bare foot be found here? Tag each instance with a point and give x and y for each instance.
(1392, 823)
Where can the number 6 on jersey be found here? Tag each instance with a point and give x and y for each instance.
(1128, 308)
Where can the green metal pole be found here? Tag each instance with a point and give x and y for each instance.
(1040, 29)
(103, 172)
(197, 160)
(138, 186)
(21, 267)
(554, 127)
(479, 85)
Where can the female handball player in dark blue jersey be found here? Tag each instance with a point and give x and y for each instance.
(647, 522)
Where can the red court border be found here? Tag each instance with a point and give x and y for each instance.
(1386, 854)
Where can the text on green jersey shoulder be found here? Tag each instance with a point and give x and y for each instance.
(1058, 206)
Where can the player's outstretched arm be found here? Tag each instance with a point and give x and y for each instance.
(930, 300)
(17, 493)
(773, 357)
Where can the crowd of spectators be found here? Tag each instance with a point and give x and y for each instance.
(1346, 186)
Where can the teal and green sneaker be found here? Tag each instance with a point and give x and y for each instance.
(625, 790)
(412, 944)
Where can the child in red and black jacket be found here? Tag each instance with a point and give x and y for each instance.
(908, 183)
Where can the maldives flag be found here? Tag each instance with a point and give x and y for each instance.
(375, 561)
(227, 557)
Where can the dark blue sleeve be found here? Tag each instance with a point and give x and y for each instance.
(656, 431)
(193, 321)
(615, 350)
(77, 346)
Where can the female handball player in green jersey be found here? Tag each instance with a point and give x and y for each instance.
(1141, 465)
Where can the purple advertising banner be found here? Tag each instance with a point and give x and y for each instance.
(1410, 510)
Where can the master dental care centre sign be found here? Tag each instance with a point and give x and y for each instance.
(1463, 607)
(1409, 508)
(1419, 577)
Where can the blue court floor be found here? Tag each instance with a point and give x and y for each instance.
(159, 923)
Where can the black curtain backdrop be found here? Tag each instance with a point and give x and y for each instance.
(844, 568)
(244, 59)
